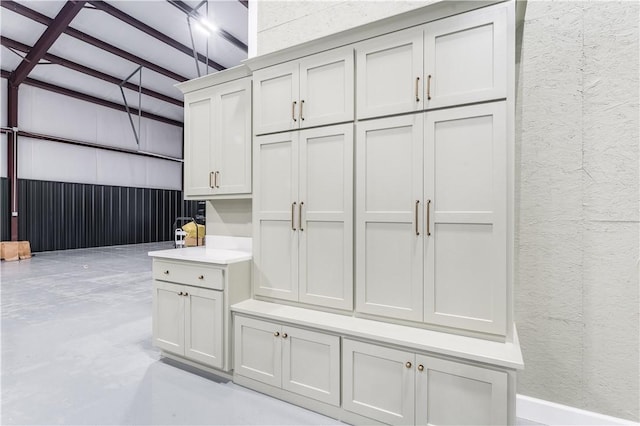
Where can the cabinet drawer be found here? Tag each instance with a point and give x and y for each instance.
(189, 274)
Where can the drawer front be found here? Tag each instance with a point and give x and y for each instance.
(189, 274)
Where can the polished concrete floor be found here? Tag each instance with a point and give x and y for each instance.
(76, 349)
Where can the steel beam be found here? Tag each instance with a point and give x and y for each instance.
(12, 157)
(7, 42)
(245, 3)
(141, 26)
(46, 40)
(224, 34)
(45, 20)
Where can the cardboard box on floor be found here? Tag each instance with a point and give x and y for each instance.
(14, 250)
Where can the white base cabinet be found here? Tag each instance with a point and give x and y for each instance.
(300, 361)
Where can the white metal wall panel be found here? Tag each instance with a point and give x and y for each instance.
(46, 160)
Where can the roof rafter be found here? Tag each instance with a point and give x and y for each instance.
(139, 25)
(13, 44)
(46, 40)
(224, 34)
(45, 20)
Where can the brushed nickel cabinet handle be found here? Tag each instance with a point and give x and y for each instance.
(300, 216)
(217, 183)
(417, 91)
(428, 217)
(416, 217)
(301, 114)
(211, 178)
(293, 212)
(429, 87)
(420, 367)
(293, 111)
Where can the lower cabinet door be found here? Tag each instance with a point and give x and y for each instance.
(311, 364)
(204, 326)
(378, 382)
(451, 393)
(258, 350)
(168, 317)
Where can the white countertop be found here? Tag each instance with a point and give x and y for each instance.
(219, 250)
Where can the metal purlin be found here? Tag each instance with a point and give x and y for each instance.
(126, 104)
(190, 16)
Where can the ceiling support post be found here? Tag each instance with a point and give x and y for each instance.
(12, 156)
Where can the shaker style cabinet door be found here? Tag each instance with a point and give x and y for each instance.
(389, 218)
(452, 393)
(168, 317)
(203, 326)
(326, 88)
(389, 76)
(326, 216)
(199, 135)
(466, 179)
(466, 58)
(276, 216)
(378, 382)
(258, 350)
(232, 142)
(275, 101)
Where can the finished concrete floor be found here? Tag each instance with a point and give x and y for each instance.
(76, 349)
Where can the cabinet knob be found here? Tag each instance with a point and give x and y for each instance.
(166, 272)
(408, 364)
(285, 335)
(201, 277)
(277, 333)
(180, 294)
(186, 294)
(420, 367)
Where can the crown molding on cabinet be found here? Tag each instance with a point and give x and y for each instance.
(213, 79)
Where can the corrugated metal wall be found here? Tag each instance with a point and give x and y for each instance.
(61, 215)
(5, 210)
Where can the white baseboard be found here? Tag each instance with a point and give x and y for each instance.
(551, 413)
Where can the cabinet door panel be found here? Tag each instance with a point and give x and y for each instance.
(233, 138)
(451, 393)
(388, 214)
(275, 91)
(275, 216)
(199, 132)
(376, 382)
(168, 317)
(257, 350)
(311, 364)
(326, 230)
(389, 74)
(466, 177)
(326, 88)
(204, 326)
(466, 56)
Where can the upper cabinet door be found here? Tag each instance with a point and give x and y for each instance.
(275, 102)
(232, 145)
(390, 74)
(466, 179)
(326, 88)
(326, 216)
(199, 113)
(466, 58)
(275, 216)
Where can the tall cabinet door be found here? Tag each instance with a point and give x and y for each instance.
(199, 113)
(326, 88)
(378, 382)
(204, 326)
(275, 102)
(275, 216)
(389, 223)
(326, 216)
(389, 74)
(233, 138)
(466, 179)
(466, 58)
(168, 317)
(452, 393)
(258, 350)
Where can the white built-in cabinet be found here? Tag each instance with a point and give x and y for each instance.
(452, 61)
(313, 91)
(303, 216)
(431, 217)
(218, 140)
(300, 361)
(396, 386)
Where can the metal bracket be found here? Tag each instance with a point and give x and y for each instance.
(193, 15)
(126, 104)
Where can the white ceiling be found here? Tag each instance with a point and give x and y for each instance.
(229, 15)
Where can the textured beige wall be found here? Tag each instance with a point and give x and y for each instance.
(577, 189)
